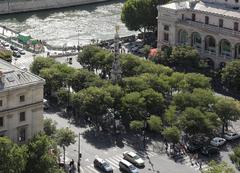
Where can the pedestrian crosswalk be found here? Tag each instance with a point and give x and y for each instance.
(114, 160)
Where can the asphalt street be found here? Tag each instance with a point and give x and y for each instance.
(93, 146)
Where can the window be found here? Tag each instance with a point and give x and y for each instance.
(1, 121)
(1, 103)
(22, 116)
(206, 20)
(182, 16)
(22, 98)
(221, 23)
(235, 26)
(166, 27)
(22, 135)
(166, 37)
(236, 1)
(193, 17)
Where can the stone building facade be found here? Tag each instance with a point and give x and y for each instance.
(210, 26)
(21, 103)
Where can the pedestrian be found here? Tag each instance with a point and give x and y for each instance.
(200, 164)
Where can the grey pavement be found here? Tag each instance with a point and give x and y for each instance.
(104, 147)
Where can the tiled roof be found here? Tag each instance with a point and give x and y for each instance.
(204, 7)
(15, 77)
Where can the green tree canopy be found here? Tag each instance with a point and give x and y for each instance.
(155, 124)
(49, 127)
(227, 110)
(235, 156)
(6, 55)
(40, 63)
(136, 125)
(231, 76)
(222, 167)
(10, 155)
(172, 134)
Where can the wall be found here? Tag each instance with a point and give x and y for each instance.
(14, 6)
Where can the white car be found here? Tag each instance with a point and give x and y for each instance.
(231, 135)
(217, 141)
(133, 158)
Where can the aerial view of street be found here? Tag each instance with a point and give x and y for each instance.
(115, 86)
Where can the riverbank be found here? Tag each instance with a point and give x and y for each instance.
(17, 6)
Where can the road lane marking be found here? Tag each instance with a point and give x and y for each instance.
(112, 163)
(94, 170)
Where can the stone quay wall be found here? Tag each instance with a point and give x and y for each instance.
(17, 6)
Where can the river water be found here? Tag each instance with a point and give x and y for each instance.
(63, 26)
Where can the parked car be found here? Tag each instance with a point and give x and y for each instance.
(217, 141)
(126, 166)
(22, 52)
(194, 146)
(16, 54)
(5, 44)
(133, 158)
(231, 136)
(13, 48)
(210, 150)
(102, 165)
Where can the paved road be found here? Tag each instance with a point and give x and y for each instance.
(93, 146)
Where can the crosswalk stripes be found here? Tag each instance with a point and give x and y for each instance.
(114, 161)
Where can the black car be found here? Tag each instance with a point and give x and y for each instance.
(194, 147)
(210, 151)
(102, 165)
(13, 48)
(16, 54)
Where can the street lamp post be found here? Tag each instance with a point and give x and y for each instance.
(79, 153)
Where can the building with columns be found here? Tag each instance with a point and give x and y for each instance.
(21, 103)
(210, 26)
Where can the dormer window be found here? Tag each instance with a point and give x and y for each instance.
(236, 26)
(206, 20)
(193, 17)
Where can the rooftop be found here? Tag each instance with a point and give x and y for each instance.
(14, 77)
(204, 7)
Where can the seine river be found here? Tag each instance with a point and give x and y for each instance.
(62, 26)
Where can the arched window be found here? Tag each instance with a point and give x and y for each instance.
(237, 51)
(183, 37)
(210, 44)
(225, 48)
(196, 40)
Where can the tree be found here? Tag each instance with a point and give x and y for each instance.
(154, 101)
(172, 134)
(230, 76)
(219, 168)
(42, 155)
(49, 127)
(6, 55)
(235, 156)
(64, 138)
(195, 122)
(93, 102)
(140, 15)
(184, 57)
(10, 155)
(133, 106)
(227, 110)
(155, 123)
(40, 63)
(131, 84)
(146, 50)
(136, 125)
(170, 116)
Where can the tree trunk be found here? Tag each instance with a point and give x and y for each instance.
(226, 126)
(64, 155)
(223, 128)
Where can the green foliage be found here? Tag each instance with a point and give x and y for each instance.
(193, 122)
(140, 14)
(170, 116)
(184, 57)
(172, 134)
(146, 50)
(49, 127)
(6, 55)
(227, 110)
(10, 155)
(155, 124)
(65, 137)
(136, 125)
(231, 76)
(235, 156)
(219, 168)
(40, 158)
(64, 97)
(40, 63)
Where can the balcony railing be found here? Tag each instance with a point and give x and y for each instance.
(213, 28)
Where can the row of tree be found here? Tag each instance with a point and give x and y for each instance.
(171, 101)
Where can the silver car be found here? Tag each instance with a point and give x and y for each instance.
(133, 158)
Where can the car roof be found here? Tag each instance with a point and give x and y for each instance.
(130, 153)
(217, 138)
(125, 162)
(100, 160)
